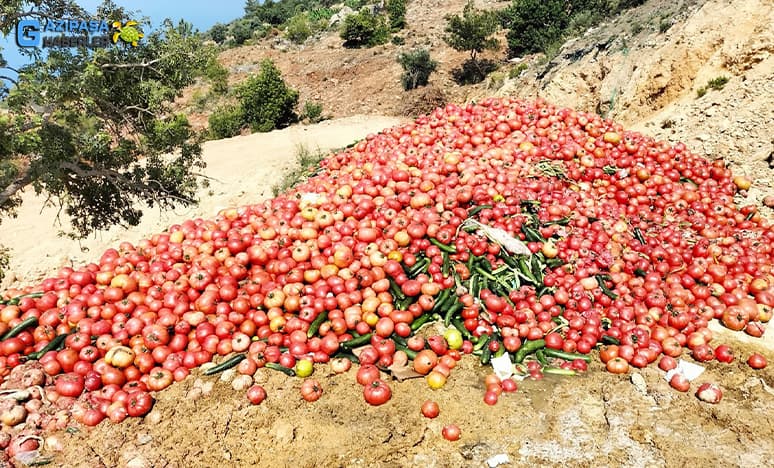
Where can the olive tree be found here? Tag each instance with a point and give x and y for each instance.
(93, 129)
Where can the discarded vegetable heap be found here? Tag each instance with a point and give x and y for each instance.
(524, 228)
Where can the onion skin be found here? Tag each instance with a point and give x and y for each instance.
(709, 393)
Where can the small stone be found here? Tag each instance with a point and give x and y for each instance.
(639, 383)
(137, 462)
(143, 438)
(283, 432)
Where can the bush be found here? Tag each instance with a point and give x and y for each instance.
(396, 11)
(307, 165)
(297, 29)
(542, 25)
(312, 112)
(417, 67)
(218, 76)
(516, 71)
(218, 33)
(718, 82)
(267, 102)
(226, 122)
(473, 71)
(364, 29)
(398, 40)
(241, 31)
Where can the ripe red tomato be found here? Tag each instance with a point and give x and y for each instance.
(70, 384)
(256, 394)
(430, 409)
(757, 361)
(377, 392)
(139, 404)
(451, 432)
(311, 390)
(367, 373)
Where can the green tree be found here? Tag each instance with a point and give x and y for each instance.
(218, 33)
(93, 129)
(267, 101)
(364, 29)
(396, 11)
(417, 67)
(533, 25)
(472, 31)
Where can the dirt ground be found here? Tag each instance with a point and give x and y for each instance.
(597, 419)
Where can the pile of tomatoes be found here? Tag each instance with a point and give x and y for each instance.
(640, 243)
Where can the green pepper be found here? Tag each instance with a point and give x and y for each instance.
(15, 300)
(555, 353)
(23, 325)
(605, 290)
(443, 247)
(315, 325)
(227, 364)
(277, 367)
(447, 317)
(355, 342)
(529, 347)
(478, 209)
(638, 236)
(52, 345)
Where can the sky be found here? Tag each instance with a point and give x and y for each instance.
(201, 13)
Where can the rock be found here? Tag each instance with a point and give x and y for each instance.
(339, 17)
(137, 462)
(284, 432)
(639, 383)
(143, 438)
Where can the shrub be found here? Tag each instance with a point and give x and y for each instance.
(307, 164)
(218, 76)
(241, 31)
(218, 33)
(717, 83)
(472, 31)
(225, 122)
(533, 25)
(398, 40)
(396, 11)
(312, 112)
(542, 25)
(364, 29)
(297, 29)
(267, 102)
(473, 71)
(516, 71)
(417, 67)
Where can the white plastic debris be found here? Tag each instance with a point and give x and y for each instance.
(502, 365)
(497, 460)
(689, 370)
(310, 198)
(511, 244)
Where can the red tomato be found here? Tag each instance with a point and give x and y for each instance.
(377, 392)
(256, 394)
(139, 404)
(430, 409)
(311, 390)
(70, 384)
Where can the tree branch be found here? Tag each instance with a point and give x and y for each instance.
(131, 65)
(15, 186)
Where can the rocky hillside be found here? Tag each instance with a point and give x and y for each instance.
(657, 82)
(645, 68)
